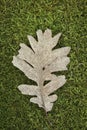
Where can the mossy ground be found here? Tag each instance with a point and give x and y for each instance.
(18, 18)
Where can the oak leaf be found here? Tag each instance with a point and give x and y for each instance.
(38, 63)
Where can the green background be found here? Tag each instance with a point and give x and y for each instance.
(18, 18)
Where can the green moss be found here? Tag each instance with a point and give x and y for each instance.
(18, 18)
